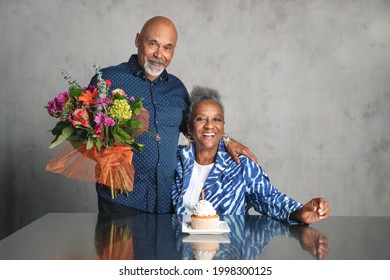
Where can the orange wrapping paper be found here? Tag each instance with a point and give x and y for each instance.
(120, 250)
(120, 245)
(110, 166)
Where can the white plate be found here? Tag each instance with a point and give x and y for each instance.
(222, 228)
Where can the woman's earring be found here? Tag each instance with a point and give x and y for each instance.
(188, 139)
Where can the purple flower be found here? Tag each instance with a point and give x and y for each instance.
(56, 107)
(103, 101)
(109, 121)
(101, 120)
(63, 97)
(51, 107)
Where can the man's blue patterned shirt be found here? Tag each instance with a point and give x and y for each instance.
(166, 100)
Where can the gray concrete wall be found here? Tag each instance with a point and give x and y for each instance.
(306, 85)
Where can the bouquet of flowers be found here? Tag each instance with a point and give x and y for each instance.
(100, 127)
(114, 238)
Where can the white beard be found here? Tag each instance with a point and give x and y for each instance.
(153, 70)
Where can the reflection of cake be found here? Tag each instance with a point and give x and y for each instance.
(204, 216)
(204, 250)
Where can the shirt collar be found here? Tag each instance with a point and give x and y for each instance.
(188, 153)
(138, 71)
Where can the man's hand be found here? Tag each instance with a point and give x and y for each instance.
(235, 148)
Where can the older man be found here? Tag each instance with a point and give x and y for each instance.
(166, 99)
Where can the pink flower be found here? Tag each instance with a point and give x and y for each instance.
(80, 116)
(108, 83)
(98, 131)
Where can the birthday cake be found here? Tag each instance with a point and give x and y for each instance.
(204, 216)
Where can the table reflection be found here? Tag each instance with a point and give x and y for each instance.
(144, 236)
(139, 236)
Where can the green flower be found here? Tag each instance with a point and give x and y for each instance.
(120, 110)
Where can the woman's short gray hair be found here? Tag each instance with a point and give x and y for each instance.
(199, 94)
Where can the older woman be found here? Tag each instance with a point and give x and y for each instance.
(231, 187)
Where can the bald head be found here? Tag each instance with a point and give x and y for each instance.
(156, 44)
(159, 22)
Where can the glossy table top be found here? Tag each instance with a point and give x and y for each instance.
(147, 236)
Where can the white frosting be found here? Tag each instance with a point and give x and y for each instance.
(204, 208)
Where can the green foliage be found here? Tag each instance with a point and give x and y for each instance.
(136, 106)
(75, 92)
(66, 132)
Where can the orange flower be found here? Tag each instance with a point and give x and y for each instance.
(89, 97)
(118, 91)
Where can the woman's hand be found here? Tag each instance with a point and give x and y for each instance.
(312, 240)
(315, 210)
